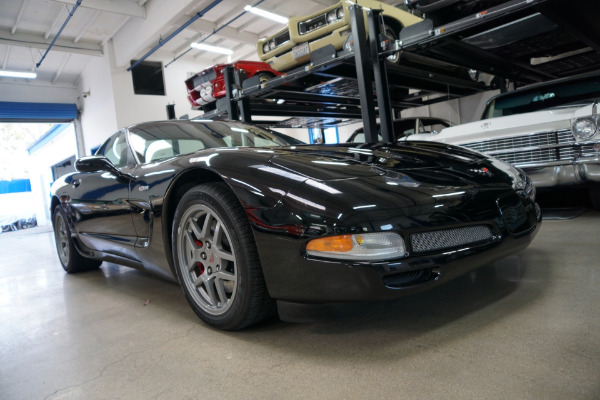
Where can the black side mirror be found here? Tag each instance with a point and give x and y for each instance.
(100, 163)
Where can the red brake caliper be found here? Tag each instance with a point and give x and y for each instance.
(200, 265)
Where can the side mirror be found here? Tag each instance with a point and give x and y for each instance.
(100, 163)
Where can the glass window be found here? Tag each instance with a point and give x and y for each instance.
(115, 149)
(543, 97)
(156, 141)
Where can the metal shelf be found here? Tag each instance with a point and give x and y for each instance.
(357, 83)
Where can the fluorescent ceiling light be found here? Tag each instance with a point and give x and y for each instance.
(212, 49)
(266, 14)
(16, 74)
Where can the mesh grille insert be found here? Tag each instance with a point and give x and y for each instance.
(423, 242)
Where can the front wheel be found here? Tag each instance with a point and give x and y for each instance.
(69, 257)
(216, 260)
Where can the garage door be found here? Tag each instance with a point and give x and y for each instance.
(37, 112)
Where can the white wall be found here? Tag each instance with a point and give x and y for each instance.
(60, 148)
(132, 108)
(98, 111)
(457, 111)
(112, 104)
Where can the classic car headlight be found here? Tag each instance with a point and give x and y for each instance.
(585, 128)
(272, 44)
(373, 246)
(266, 47)
(335, 15)
(331, 16)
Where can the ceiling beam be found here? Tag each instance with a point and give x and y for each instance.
(35, 41)
(5, 63)
(86, 26)
(117, 29)
(205, 28)
(57, 21)
(60, 69)
(19, 16)
(128, 8)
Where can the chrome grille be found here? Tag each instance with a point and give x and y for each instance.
(539, 148)
(282, 38)
(424, 242)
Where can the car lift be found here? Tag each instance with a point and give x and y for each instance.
(337, 87)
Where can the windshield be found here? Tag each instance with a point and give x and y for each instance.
(524, 101)
(156, 141)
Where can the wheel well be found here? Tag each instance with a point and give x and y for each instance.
(394, 24)
(185, 182)
(54, 202)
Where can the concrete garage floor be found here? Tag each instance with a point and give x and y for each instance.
(527, 327)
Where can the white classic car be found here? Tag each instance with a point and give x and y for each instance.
(550, 130)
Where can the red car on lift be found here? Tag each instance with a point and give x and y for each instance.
(207, 86)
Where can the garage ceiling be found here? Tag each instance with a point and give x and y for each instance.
(27, 27)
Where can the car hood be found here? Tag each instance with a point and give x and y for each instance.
(509, 126)
(427, 159)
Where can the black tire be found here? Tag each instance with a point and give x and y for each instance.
(69, 257)
(216, 260)
(594, 192)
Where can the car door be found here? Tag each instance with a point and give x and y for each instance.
(100, 202)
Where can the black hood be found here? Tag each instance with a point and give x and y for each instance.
(436, 163)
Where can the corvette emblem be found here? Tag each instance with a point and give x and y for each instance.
(482, 171)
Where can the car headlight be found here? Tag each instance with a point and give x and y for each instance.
(585, 128)
(265, 47)
(524, 185)
(340, 12)
(272, 45)
(331, 16)
(375, 246)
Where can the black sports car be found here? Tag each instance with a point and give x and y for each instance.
(245, 218)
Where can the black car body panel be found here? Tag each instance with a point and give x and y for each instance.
(292, 194)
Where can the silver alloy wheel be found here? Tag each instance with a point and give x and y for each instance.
(207, 259)
(62, 238)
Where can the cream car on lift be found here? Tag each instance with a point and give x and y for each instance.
(550, 130)
(292, 46)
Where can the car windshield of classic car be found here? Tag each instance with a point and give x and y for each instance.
(541, 98)
(158, 141)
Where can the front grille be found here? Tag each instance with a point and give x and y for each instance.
(203, 78)
(282, 38)
(312, 24)
(539, 148)
(410, 278)
(426, 242)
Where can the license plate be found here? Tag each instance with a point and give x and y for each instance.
(300, 50)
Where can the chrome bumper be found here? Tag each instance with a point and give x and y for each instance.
(579, 171)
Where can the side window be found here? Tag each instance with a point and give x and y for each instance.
(115, 149)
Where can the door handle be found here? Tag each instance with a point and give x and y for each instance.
(76, 183)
